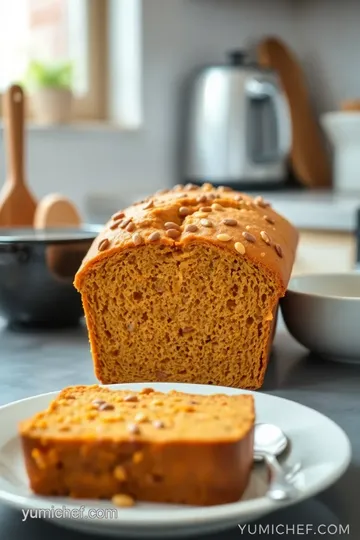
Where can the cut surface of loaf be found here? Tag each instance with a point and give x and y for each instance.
(184, 287)
(95, 442)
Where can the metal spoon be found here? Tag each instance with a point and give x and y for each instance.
(270, 441)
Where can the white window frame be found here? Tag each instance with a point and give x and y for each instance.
(125, 58)
(113, 67)
(92, 105)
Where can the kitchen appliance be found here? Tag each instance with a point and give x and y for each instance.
(238, 130)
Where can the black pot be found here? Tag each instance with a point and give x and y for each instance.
(37, 270)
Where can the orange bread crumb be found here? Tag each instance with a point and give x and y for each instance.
(94, 442)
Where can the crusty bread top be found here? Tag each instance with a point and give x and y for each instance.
(233, 221)
(97, 412)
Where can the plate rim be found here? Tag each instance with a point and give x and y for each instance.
(192, 515)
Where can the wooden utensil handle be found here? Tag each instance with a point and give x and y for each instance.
(14, 107)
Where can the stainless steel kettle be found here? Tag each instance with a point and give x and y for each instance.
(238, 127)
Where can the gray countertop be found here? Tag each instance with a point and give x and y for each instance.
(318, 210)
(36, 362)
(307, 209)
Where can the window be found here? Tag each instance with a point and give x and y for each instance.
(58, 30)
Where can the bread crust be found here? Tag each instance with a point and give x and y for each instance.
(253, 216)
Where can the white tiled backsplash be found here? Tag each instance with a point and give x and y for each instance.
(328, 46)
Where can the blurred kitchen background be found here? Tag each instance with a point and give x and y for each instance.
(126, 97)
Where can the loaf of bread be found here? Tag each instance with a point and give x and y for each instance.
(184, 287)
(94, 442)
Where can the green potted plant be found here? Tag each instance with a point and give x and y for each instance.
(50, 89)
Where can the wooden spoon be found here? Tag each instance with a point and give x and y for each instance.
(17, 204)
(309, 157)
(63, 259)
(55, 210)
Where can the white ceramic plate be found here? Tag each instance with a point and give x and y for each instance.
(320, 445)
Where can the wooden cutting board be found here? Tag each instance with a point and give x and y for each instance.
(309, 158)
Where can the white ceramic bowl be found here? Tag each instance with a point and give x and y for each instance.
(322, 312)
